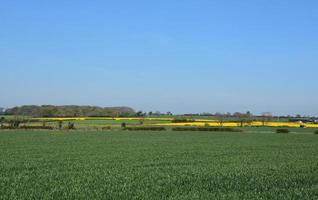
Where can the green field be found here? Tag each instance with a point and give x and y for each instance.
(256, 164)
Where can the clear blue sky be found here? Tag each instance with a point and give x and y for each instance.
(180, 56)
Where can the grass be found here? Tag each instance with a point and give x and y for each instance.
(150, 165)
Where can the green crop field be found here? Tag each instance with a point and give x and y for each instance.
(255, 164)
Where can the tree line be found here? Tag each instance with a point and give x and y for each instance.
(70, 111)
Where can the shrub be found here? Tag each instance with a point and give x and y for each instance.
(36, 127)
(15, 123)
(182, 120)
(282, 130)
(316, 132)
(6, 127)
(60, 124)
(149, 128)
(215, 129)
(70, 126)
(106, 128)
(123, 125)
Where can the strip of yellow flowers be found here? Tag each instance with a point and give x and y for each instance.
(197, 122)
(238, 124)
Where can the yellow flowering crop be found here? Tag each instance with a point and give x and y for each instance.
(196, 122)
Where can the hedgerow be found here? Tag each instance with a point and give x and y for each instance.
(36, 127)
(216, 129)
(155, 128)
(182, 120)
(282, 130)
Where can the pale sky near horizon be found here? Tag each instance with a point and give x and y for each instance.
(179, 56)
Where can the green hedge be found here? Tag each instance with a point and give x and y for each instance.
(155, 128)
(216, 129)
(106, 128)
(282, 130)
(36, 127)
(28, 127)
(7, 127)
(182, 120)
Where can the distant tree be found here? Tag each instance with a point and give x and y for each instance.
(169, 113)
(237, 114)
(248, 118)
(238, 117)
(48, 112)
(266, 117)
(140, 114)
(15, 122)
(150, 113)
(243, 118)
(220, 118)
(69, 111)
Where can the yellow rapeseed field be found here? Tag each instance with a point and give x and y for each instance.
(238, 124)
(196, 122)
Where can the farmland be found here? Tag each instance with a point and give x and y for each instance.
(159, 100)
(116, 164)
(115, 122)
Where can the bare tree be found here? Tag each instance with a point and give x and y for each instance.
(244, 118)
(266, 117)
(220, 118)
